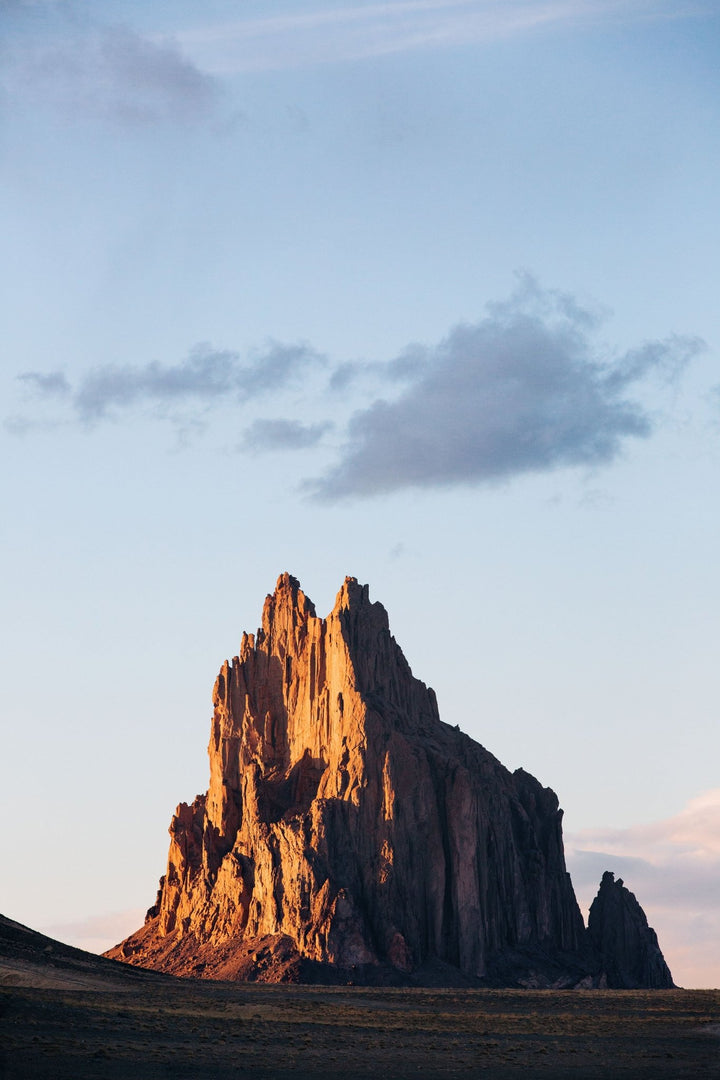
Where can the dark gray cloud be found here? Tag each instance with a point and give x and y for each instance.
(110, 72)
(525, 389)
(206, 375)
(406, 366)
(50, 384)
(346, 375)
(266, 435)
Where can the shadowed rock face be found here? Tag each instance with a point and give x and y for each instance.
(627, 948)
(347, 829)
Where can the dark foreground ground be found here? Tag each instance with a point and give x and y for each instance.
(222, 1030)
(65, 1015)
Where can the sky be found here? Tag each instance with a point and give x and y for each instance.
(419, 291)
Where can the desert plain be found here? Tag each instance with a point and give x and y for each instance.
(70, 1015)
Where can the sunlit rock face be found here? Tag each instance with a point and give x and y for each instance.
(627, 948)
(349, 833)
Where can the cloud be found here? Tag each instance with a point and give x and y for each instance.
(528, 388)
(265, 435)
(96, 933)
(50, 384)
(713, 397)
(523, 390)
(673, 867)
(332, 33)
(106, 72)
(348, 374)
(206, 375)
(694, 831)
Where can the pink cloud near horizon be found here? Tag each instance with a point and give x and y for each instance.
(97, 933)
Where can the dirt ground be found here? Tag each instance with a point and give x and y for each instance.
(198, 1030)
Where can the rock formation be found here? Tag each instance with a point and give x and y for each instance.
(349, 833)
(627, 948)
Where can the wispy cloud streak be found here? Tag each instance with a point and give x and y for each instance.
(206, 375)
(358, 31)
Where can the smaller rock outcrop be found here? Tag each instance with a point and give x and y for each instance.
(625, 945)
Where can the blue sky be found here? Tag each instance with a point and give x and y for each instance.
(423, 292)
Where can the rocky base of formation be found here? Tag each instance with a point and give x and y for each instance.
(272, 959)
(275, 958)
(348, 835)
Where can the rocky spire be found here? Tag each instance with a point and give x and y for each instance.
(627, 948)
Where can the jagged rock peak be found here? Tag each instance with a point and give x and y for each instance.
(627, 947)
(288, 594)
